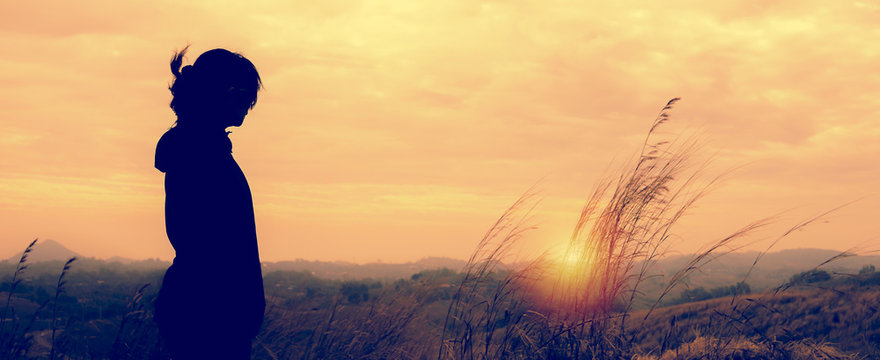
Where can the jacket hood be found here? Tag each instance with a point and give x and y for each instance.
(180, 147)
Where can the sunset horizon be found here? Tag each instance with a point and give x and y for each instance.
(398, 131)
(439, 179)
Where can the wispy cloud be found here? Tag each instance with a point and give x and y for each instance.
(442, 108)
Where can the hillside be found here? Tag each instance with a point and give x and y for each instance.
(771, 270)
(842, 311)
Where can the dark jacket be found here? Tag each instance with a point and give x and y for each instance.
(214, 288)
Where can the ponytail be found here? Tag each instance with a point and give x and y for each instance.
(177, 60)
(179, 86)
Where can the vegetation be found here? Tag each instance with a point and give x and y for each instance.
(809, 277)
(589, 304)
(588, 311)
(311, 317)
(700, 293)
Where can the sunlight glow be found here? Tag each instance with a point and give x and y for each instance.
(371, 106)
(570, 278)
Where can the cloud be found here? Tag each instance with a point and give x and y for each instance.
(374, 108)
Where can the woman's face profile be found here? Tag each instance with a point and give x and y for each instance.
(238, 104)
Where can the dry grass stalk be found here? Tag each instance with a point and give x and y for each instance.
(58, 290)
(16, 341)
(712, 348)
(133, 336)
(16, 279)
(624, 226)
(484, 297)
(380, 328)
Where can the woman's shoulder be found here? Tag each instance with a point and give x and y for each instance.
(178, 147)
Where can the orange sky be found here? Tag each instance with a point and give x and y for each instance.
(395, 130)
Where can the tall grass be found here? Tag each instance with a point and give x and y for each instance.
(135, 336)
(390, 325)
(16, 279)
(713, 348)
(487, 310)
(625, 225)
(620, 230)
(59, 288)
(15, 340)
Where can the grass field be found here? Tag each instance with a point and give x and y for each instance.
(588, 304)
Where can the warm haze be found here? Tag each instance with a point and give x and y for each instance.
(396, 130)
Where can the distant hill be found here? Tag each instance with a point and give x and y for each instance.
(728, 269)
(771, 270)
(778, 260)
(49, 251)
(120, 259)
(45, 250)
(351, 271)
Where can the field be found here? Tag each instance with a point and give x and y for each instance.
(102, 312)
(603, 299)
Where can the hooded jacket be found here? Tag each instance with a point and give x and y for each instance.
(214, 285)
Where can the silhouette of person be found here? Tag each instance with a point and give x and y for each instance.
(211, 302)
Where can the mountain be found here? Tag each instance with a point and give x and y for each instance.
(45, 250)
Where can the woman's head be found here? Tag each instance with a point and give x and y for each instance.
(215, 91)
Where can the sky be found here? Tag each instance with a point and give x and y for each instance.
(395, 130)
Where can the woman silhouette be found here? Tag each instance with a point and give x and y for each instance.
(211, 303)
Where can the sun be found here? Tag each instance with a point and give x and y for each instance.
(569, 277)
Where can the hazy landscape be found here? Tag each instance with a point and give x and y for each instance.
(104, 307)
(613, 294)
(455, 179)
